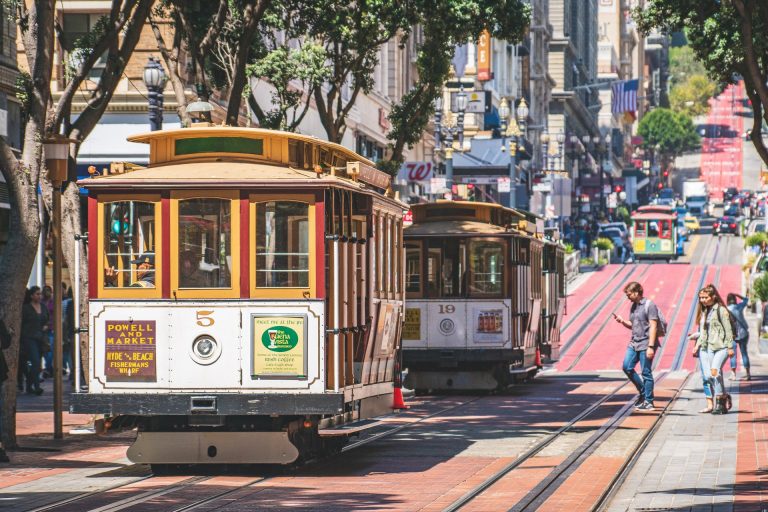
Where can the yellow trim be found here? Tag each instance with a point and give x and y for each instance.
(129, 292)
(232, 292)
(283, 293)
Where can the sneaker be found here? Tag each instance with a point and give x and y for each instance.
(639, 401)
(646, 406)
(732, 376)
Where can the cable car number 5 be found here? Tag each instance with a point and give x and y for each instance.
(204, 318)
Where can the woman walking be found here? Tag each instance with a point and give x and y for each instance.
(714, 343)
(736, 305)
(34, 333)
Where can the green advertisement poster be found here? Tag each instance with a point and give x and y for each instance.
(279, 346)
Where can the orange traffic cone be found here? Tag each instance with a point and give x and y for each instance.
(398, 402)
(538, 357)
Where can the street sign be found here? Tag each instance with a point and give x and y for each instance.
(478, 102)
(437, 185)
(504, 184)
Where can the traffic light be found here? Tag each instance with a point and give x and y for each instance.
(666, 174)
(471, 192)
(617, 188)
(660, 186)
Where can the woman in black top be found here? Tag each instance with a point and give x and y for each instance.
(34, 331)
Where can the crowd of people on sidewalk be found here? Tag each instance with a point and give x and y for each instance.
(35, 357)
(721, 331)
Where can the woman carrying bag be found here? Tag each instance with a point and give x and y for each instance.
(714, 344)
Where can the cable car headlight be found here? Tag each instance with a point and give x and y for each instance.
(205, 349)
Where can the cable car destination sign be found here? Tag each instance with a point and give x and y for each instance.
(130, 351)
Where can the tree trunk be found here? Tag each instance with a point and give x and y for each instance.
(70, 205)
(15, 267)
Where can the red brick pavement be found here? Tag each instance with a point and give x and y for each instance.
(750, 493)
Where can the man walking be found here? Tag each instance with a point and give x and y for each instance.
(643, 322)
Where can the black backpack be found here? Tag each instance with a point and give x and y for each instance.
(731, 318)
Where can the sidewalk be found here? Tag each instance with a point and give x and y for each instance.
(700, 462)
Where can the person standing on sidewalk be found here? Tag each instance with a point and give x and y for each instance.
(643, 322)
(714, 343)
(736, 305)
(5, 342)
(34, 333)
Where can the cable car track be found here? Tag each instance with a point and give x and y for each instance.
(575, 315)
(534, 498)
(572, 338)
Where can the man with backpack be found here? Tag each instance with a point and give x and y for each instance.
(647, 326)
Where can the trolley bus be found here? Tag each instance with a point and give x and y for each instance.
(485, 294)
(245, 296)
(654, 232)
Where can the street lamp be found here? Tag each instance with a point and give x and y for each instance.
(154, 80)
(445, 129)
(601, 147)
(56, 150)
(510, 130)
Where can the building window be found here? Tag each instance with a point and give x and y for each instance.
(77, 26)
(369, 148)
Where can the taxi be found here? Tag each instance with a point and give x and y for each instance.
(692, 224)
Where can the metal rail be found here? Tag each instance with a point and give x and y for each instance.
(474, 493)
(621, 476)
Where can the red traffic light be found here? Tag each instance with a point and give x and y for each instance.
(660, 186)
(617, 189)
(470, 186)
(666, 174)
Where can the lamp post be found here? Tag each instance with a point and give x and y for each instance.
(445, 128)
(512, 131)
(154, 80)
(56, 151)
(522, 121)
(600, 146)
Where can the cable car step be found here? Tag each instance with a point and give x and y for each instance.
(348, 428)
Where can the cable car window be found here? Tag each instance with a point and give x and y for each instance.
(433, 272)
(205, 243)
(129, 244)
(486, 268)
(413, 269)
(653, 229)
(282, 244)
(640, 227)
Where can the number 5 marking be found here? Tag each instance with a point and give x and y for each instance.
(204, 319)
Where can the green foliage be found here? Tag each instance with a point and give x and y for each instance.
(568, 248)
(756, 239)
(727, 37)
(760, 287)
(24, 92)
(282, 67)
(623, 213)
(667, 132)
(444, 24)
(691, 97)
(683, 64)
(586, 262)
(604, 244)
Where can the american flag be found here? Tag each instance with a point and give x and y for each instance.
(625, 97)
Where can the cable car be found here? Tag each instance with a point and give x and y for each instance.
(654, 233)
(245, 296)
(479, 305)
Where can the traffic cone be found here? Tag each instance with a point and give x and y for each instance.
(398, 402)
(538, 357)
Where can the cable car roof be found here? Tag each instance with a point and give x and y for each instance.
(454, 227)
(215, 174)
(653, 216)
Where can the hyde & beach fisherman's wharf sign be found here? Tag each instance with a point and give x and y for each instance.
(279, 346)
(130, 351)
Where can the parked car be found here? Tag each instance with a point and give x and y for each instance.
(726, 224)
(621, 226)
(692, 223)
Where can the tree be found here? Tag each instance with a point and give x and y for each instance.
(201, 27)
(114, 37)
(691, 97)
(683, 64)
(668, 134)
(445, 24)
(728, 38)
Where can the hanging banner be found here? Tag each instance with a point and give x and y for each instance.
(484, 56)
(130, 351)
(279, 346)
